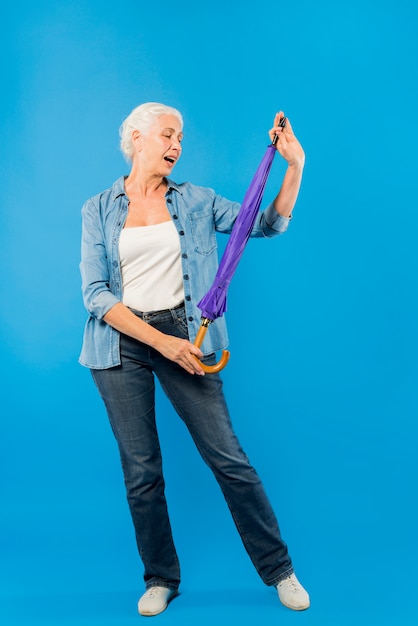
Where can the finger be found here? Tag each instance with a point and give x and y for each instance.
(278, 117)
(282, 135)
(289, 128)
(274, 133)
(187, 362)
(191, 370)
(193, 354)
(194, 366)
(279, 139)
(195, 350)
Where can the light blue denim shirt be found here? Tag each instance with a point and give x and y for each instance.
(198, 213)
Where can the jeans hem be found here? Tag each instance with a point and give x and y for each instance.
(281, 577)
(161, 583)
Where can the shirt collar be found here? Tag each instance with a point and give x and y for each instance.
(173, 185)
(118, 188)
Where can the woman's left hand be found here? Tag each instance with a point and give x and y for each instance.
(287, 144)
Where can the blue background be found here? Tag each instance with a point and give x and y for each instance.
(322, 379)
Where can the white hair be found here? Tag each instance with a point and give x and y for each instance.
(142, 118)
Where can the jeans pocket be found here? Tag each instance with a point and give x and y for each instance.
(182, 324)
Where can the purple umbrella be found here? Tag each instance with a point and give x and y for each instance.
(213, 303)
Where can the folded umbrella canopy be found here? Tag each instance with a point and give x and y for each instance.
(213, 303)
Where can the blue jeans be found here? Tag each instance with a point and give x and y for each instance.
(128, 392)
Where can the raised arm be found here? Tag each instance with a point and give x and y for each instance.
(290, 149)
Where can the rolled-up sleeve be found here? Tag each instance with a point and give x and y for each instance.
(272, 223)
(95, 276)
(268, 223)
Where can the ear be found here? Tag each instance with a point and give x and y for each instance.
(137, 139)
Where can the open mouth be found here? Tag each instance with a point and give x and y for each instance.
(169, 159)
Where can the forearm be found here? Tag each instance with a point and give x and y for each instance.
(178, 350)
(122, 319)
(287, 196)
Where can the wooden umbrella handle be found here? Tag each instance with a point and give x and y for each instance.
(210, 369)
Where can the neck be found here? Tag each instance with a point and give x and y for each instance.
(143, 183)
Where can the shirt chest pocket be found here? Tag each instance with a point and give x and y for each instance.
(203, 231)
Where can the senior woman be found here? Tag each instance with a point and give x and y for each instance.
(148, 256)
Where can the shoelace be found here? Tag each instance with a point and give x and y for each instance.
(291, 584)
(154, 591)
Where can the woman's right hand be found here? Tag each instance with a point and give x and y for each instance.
(181, 352)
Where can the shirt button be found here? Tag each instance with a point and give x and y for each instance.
(190, 319)
(169, 200)
(186, 277)
(188, 298)
(184, 256)
(175, 217)
(181, 232)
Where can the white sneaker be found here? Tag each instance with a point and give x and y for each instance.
(292, 594)
(155, 600)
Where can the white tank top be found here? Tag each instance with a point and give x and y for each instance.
(151, 267)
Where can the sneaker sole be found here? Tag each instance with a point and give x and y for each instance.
(151, 614)
(296, 608)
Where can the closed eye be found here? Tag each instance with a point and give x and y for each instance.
(169, 134)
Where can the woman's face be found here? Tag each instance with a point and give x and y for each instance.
(160, 149)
